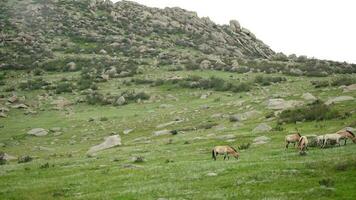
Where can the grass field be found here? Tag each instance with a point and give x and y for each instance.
(175, 166)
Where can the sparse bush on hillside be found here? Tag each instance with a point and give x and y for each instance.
(267, 80)
(64, 87)
(316, 111)
(33, 84)
(320, 84)
(344, 80)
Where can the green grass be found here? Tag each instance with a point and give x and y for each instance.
(175, 167)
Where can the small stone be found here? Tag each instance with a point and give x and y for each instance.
(38, 132)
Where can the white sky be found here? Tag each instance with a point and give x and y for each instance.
(324, 29)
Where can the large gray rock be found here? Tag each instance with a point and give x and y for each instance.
(261, 140)
(308, 97)
(110, 142)
(281, 104)
(161, 132)
(350, 88)
(262, 128)
(72, 66)
(120, 101)
(38, 132)
(235, 26)
(339, 99)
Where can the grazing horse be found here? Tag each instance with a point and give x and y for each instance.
(332, 137)
(225, 150)
(303, 144)
(346, 134)
(294, 138)
(320, 140)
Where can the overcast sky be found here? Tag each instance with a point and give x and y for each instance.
(324, 29)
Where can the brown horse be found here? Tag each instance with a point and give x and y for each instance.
(346, 134)
(293, 138)
(226, 151)
(303, 144)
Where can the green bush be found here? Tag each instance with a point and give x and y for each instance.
(313, 112)
(267, 80)
(33, 84)
(345, 80)
(64, 87)
(320, 84)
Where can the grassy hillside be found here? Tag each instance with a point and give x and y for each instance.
(174, 166)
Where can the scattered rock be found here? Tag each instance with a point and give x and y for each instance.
(55, 129)
(38, 132)
(308, 97)
(339, 99)
(211, 174)
(102, 51)
(262, 128)
(165, 106)
(168, 124)
(226, 137)
(19, 106)
(3, 115)
(138, 159)
(120, 101)
(60, 103)
(162, 132)
(6, 157)
(261, 140)
(72, 66)
(12, 99)
(235, 26)
(4, 109)
(111, 141)
(281, 104)
(350, 88)
(127, 131)
(24, 159)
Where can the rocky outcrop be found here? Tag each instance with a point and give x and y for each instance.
(110, 142)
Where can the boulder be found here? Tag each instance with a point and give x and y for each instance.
(19, 106)
(109, 142)
(60, 103)
(127, 131)
(3, 115)
(211, 174)
(350, 88)
(261, 140)
(13, 99)
(38, 132)
(281, 104)
(235, 26)
(262, 128)
(339, 99)
(120, 101)
(72, 66)
(205, 64)
(102, 51)
(161, 132)
(308, 97)
(6, 157)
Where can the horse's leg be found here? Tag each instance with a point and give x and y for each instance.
(345, 141)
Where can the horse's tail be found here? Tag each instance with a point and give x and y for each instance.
(213, 154)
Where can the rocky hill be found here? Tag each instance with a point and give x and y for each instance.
(34, 31)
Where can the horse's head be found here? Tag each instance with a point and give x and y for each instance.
(236, 155)
(354, 140)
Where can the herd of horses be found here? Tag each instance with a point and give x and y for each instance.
(321, 140)
(302, 143)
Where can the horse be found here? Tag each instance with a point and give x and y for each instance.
(320, 140)
(293, 138)
(346, 134)
(303, 144)
(225, 150)
(332, 137)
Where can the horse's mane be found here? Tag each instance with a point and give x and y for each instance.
(350, 133)
(299, 134)
(233, 148)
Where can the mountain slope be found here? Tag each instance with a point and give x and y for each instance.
(33, 31)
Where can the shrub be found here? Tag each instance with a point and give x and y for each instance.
(326, 182)
(244, 146)
(267, 80)
(64, 87)
(320, 84)
(345, 80)
(33, 84)
(315, 111)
